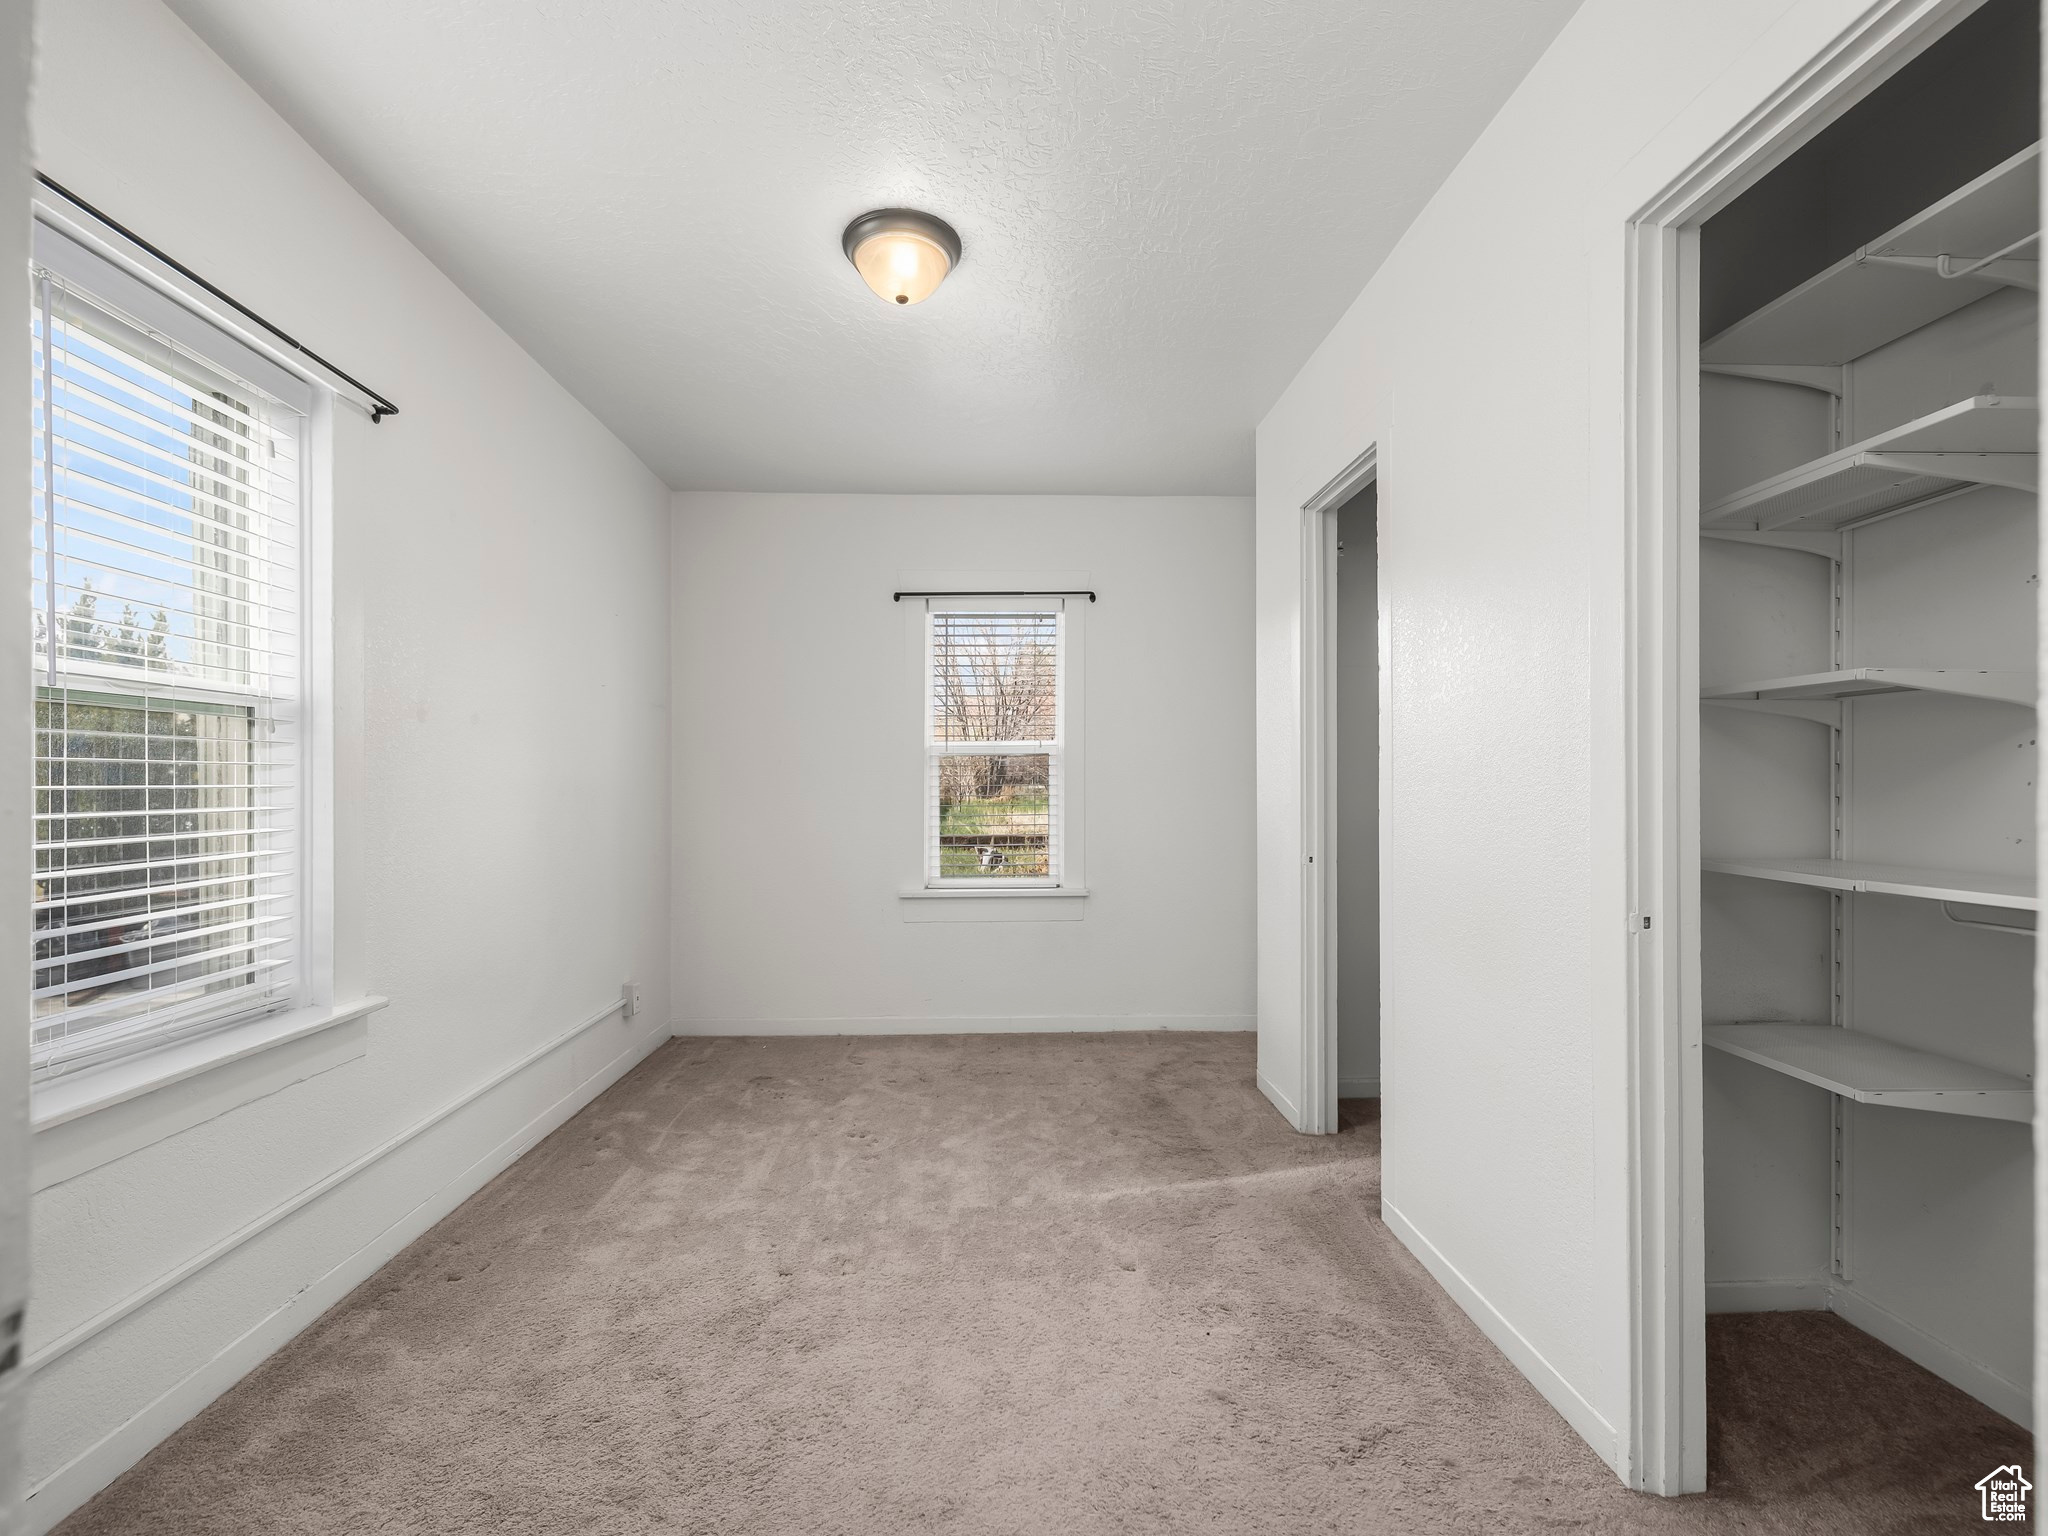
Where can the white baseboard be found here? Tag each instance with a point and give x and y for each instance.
(1804, 1295)
(1980, 1381)
(969, 1024)
(1358, 1087)
(71, 1485)
(1280, 1101)
(1583, 1417)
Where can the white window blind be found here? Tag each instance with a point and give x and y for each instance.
(167, 648)
(994, 753)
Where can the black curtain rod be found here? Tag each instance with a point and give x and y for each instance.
(378, 410)
(898, 597)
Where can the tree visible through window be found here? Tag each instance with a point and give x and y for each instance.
(994, 748)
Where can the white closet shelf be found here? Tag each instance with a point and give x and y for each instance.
(1854, 682)
(1873, 1071)
(2015, 892)
(1893, 285)
(1985, 440)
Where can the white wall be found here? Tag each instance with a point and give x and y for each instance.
(502, 688)
(1485, 359)
(798, 767)
(14, 710)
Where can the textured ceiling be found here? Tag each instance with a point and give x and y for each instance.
(1165, 204)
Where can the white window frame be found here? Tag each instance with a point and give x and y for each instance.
(92, 261)
(998, 897)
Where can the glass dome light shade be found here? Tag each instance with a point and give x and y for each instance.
(901, 254)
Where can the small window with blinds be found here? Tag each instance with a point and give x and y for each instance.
(994, 751)
(165, 585)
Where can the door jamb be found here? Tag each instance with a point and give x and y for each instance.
(1318, 714)
(1667, 1433)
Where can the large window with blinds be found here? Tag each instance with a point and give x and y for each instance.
(167, 652)
(995, 742)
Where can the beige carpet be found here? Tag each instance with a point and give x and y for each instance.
(1023, 1284)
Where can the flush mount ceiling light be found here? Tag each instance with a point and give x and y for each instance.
(900, 253)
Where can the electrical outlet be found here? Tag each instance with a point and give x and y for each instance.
(629, 994)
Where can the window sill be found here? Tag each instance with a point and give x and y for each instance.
(991, 904)
(1004, 893)
(90, 1117)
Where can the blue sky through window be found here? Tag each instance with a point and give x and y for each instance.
(148, 495)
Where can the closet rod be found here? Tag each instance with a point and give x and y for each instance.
(1948, 911)
(1944, 268)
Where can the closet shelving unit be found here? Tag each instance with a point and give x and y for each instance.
(1865, 632)
(1873, 1071)
(1859, 682)
(1895, 285)
(1967, 246)
(2012, 892)
(1985, 440)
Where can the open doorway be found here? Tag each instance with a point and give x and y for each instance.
(1355, 785)
(1833, 735)
(1867, 634)
(1340, 808)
